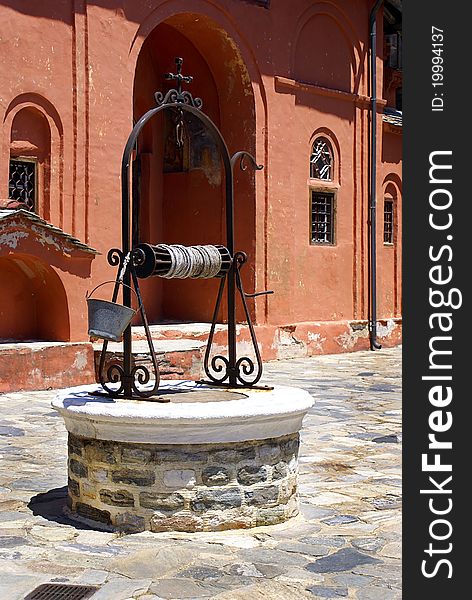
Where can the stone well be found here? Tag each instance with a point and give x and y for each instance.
(206, 460)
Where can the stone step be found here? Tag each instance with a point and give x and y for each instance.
(37, 365)
(189, 331)
(177, 358)
(180, 347)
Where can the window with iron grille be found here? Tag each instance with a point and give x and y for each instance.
(388, 222)
(321, 160)
(22, 182)
(322, 218)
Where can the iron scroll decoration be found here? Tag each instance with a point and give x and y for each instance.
(227, 371)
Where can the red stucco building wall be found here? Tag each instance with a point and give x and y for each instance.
(74, 74)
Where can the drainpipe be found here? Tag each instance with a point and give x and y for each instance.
(374, 344)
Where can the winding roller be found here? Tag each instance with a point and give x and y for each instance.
(181, 262)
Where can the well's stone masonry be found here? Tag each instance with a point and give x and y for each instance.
(201, 487)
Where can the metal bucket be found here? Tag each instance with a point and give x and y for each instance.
(108, 320)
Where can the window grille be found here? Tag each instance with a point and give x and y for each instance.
(322, 218)
(22, 182)
(321, 160)
(388, 222)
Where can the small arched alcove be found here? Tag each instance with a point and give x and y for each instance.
(323, 55)
(33, 302)
(389, 217)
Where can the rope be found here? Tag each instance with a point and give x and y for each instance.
(196, 262)
(124, 267)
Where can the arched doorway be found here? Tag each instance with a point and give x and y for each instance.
(181, 189)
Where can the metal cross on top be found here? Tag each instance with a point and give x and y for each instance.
(178, 76)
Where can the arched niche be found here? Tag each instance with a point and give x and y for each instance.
(392, 187)
(33, 301)
(391, 190)
(323, 55)
(389, 217)
(33, 127)
(182, 200)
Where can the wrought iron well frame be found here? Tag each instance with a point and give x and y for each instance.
(222, 371)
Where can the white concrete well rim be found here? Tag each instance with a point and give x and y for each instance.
(258, 414)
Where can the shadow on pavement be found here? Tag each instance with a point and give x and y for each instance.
(51, 504)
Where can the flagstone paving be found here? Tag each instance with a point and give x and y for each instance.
(345, 543)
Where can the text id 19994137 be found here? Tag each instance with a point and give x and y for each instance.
(437, 69)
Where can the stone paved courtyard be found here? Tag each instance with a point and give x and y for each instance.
(345, 543)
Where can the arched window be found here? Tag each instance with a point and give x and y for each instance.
(321, 160)
(388, 228)
(389, 214)
(30, 161)
(324, 183)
